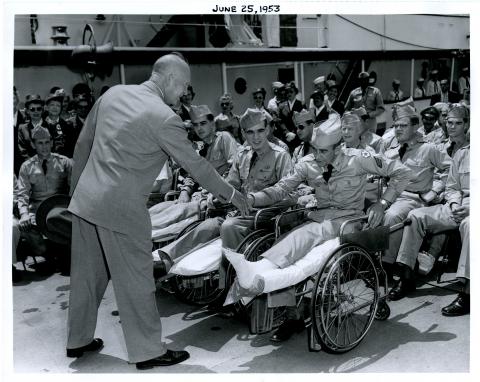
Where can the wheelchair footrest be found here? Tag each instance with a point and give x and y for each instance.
(261, 317)
(313, 345)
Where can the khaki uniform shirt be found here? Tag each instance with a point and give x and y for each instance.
(344, 193)
(220, 154)
(266, 171)
(34, 186)
(423, 158)
(372, 101)
(435, 136)
(458, 182)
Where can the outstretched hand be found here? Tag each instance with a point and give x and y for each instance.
(375, 215)
(240, 201)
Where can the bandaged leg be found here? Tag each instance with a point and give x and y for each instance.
(249, 273)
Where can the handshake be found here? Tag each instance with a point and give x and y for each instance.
(243, 203)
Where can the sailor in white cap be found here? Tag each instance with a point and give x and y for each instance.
(420, 91)
(272, 105)
(433, 84)
(396, 94)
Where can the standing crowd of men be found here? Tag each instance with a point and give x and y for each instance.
(278, 152)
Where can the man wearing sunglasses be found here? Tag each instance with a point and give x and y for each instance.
(34, 109)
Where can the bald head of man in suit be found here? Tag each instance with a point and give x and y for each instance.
(171, 74)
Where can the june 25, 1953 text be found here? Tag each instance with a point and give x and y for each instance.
(246, 8)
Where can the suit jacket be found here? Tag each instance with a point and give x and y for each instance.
(126, 139)
(453, 97)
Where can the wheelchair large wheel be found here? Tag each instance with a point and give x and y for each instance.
(197, 290)
(345, 299)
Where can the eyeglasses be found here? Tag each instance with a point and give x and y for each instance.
(38, 108)
(429, 118)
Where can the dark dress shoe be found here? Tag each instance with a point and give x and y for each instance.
(401, 289)
(459, 306)
(287, 329)
(16, 275)
(95, 345)
(171, 357)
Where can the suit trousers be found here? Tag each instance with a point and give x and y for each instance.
(97, 254)
(397, 213)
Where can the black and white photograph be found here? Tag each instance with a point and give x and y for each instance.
(238, 187)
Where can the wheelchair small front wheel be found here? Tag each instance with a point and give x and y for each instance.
(383, 311)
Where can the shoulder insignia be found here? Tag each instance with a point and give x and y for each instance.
(365, 154)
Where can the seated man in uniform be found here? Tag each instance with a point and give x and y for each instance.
(409, 148)
(43, 175)
(257, 165)
(219, 148)
(339, 178)
(432, 132)
(454, 213)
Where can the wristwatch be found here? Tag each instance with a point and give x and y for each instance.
(384, 203)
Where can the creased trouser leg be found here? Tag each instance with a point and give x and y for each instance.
(463, 269)
(88, 281)
(130, 263)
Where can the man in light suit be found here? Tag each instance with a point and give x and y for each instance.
(127, 137)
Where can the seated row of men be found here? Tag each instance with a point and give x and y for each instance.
(331, 174)
(50, 114)
(334, 174)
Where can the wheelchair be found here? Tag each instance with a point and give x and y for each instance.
(343, 297)
(211, 288)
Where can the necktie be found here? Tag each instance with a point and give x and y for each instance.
(203, 152)
(396, 97)
(435, 87)
(253, 160)
(423, 93)
(450, 149)
(44, 166)
(306, 147)
(402, 150)
(327, 174)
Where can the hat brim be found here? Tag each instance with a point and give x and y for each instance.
(41, 102)
(45, 207)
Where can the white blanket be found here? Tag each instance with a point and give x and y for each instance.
(202, 260)
(280, 278)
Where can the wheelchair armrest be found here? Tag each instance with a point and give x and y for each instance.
(171, 195)
(221, 210)
(286, 217)
(264, 215)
